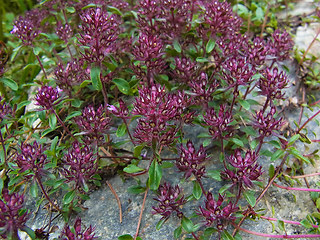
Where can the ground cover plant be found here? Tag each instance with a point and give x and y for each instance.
(82, 79)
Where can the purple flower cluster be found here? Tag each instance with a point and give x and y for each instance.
(76, 233)
(5, 110)
(219, 18)
(27, 28)
(219, 124)
(47, 97)
(64, 31)
(280, 45)
(246, 168)
(267, 125)
(272, 82)
(10, 218)
(170, 200)
(99, 32)
(190, 161)
(215, 212)
(71, 74)
(31, 158)
(94, 123)
(80, 165)
(158, 109)
(149, 51)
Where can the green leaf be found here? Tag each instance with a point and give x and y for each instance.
(137, 150)
(318, 203)
(70, 9)
(177, 232)
(125, 237)
(121, 130)
(95, 78)
(85, 83)
(215, 174)
(29, 231)
(166, 164)
(244, 104)
(136, 189)
(293, 139)
(210, 45)
(22, 104)
(241, 10)
(237, 142)
(196, 190)
(187, 225)
(298, 155)
(202, 60)
(259, 14)
(277, 154)
(155, 175)
(122, 85)
(271, 170)
(10, 83)
(85, 186)
(206, 142)
(306, 223)
(251, 199)
(37, 50)
(114, 10)
(225, 188)
(281, 225)
(73, 114)
(160, 223)
(69, 197)
(52, 121)
(177, 46)
(34, 189)
(226, 236)
(132, 169)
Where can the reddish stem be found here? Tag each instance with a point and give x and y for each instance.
(306, 122)
(296, 189)
(286, 221)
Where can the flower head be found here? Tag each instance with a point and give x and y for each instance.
(5, 110)
(76, 233)
(246, 168)
(280, 45)
(32, 158)
(219, 124)
(64, 31)
(27, 28)
(267, 125)
(80, 165)
(99, 32)
(272, 82)
(121, 111)
(214, 212)
(10, 218)
(190, 160)
(47, 97)
(93, 122)
(170, 200)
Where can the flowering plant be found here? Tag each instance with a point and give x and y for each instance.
(149, 89)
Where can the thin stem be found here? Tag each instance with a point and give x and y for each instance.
(127, 127)
(141, 212)
(296, 189)
(264, 21)
(201, 185)
(195, 236)
(63, 125)
(306, 122)
(46, 195)
(286, 221)
(118, 200)
(279, 168)
(306, 175)
(279, 235)
(41, 66)
(309, 47)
